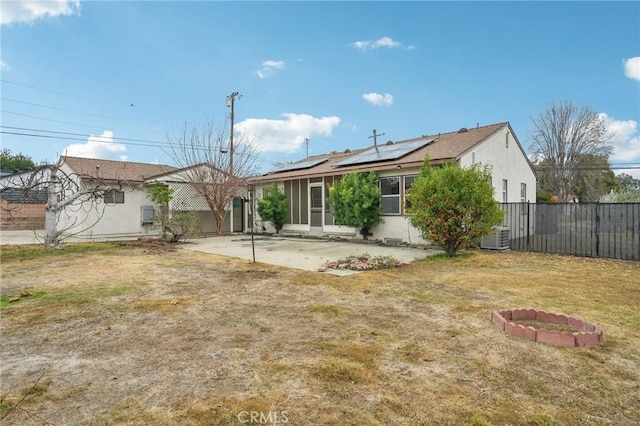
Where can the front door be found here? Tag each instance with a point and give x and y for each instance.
(316, 206)
(238, 214)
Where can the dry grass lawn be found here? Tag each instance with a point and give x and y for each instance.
(138, 335)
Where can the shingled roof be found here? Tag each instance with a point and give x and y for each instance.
(444, 148)
(121, 171)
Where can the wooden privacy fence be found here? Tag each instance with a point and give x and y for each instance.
(581, 229)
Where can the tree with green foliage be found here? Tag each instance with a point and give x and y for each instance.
(17, 162)
(273, 207)
(628, 190)
(628, 182)
(174, 225)
(453, 206)
(355, 201)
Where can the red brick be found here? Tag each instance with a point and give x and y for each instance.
(542, 316)
(519, 330)
(580, 324)
(524, 314)
(498, 320)
(513, 329)
(561, 319)
(506, 314)
(599, 332)
(557, 338)
(552, 318)
(530, 333)
(589, 339)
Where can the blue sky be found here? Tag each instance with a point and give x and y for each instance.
(113, 78)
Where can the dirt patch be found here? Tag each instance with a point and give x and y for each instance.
(139, 337)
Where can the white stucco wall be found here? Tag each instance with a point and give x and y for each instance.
(118, 220)
(508, 163)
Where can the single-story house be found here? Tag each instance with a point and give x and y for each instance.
(119, 214)
(127, 210)
(306, 183)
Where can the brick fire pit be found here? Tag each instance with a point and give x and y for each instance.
(585, 334)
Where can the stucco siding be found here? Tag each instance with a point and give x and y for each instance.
(111, 219)
(507, 163)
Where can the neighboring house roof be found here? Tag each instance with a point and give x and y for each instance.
(19, 196)
(7, 173)
(441, 148)
(181, 175)
(109, 170)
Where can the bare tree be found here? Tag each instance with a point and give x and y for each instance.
(563, 136)
(65, 193)
(201, 151)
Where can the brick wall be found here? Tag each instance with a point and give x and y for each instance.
(21, 215)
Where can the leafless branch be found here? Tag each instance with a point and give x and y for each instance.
(563, 135)
(201, 150)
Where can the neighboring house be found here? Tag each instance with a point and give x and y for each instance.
(23, 195)
(120, 213)
(306, 183)
(126, 210)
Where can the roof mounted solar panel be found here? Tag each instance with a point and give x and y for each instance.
(300, 165)
(385, 152)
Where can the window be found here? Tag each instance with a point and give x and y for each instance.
(504, 191)
(408, 183)
(114, 197)
(523, 192)
(390, 191)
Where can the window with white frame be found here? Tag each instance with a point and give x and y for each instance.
(523, 192)
(114, 197)
(390, 195)
(504, 190)
(408, 183)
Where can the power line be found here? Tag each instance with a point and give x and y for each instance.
(65, 122)
(58, 92)
(64, 110)
(612, 166)
(84, 135)
(130, 142)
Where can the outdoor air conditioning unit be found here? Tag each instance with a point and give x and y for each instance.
(146, 215)
(497, 239)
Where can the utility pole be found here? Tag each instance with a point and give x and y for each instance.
(375, 138)
(230, 103)
(306, 141)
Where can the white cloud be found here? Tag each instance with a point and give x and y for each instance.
(384, 42)
(31, 11)
(4, 65)
(103, 147)
(632, 68)
(377, 99)
(626, 143)
(269, 68)
(285, 135)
